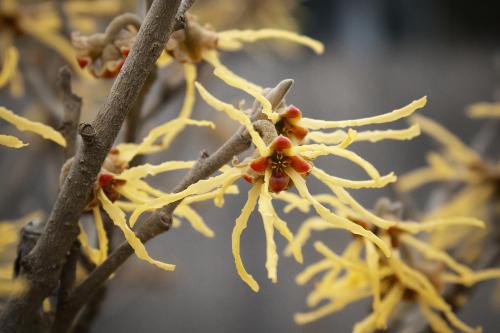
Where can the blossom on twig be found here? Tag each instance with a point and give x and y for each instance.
(416, 273)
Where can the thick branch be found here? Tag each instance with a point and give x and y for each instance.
(160, 221)
(72, 107)
(44, 263)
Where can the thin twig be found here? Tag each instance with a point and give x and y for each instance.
(43, 264)
(72, 107)
(161, 220)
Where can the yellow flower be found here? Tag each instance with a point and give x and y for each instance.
(196, 43)
(480, 180)
(24, 124)
(120, 189)
(281, 163)
(9, 238)
(416, 272)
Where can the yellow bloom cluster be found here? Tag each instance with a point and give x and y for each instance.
(417, 272)
(120, 189)
(284, 162)
(9, 237)
(457, 163)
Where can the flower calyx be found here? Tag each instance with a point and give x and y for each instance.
(278, 161)
(288, 124)
(188, 44)
(104, 54)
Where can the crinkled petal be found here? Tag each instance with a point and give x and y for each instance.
(11, 141)
(380, 119)
(101, 234)
(9, 65)
(24, 124)
(327, 215)
(451, 142)
(310, 271)
(342, 182)
(316, 150)
(147, 169)
(237, 115)
(437, 323)
(128, 151)
(118, 218)
(304, 233)
(267, 213)
(232, 39)
(200, 187)
(239, 226)
(195, 220)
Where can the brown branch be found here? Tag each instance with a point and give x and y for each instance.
(134, 119)
(160, 221)
(72, 107)
(44, 263)
(68, 274)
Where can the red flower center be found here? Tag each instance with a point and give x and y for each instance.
(278, 162)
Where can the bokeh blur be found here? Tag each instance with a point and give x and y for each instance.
(380, 55)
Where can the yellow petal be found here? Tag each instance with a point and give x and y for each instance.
(310, 271)
(234, 114)
(372, 136)
(239, 226)
(372, 259)
(332, 307)
(327, 215)
(266, 211)
(24, 124)
(231, 39)
(128, 151)
(358, 208)
(147, 169)
(118, 218)
(164, 60)
(438, 324)
(11, 141)
(430, 226)
(454, 146)
(435, 254)
(219, 197)
(384, 118)
(316, 150)
(304, 233)
(92, 253)
(294, 201)
(213, 59)
(194, 219)
(9, 65)
(200, 187)
(390, 301)
(101, 234)
(474, 277)
(455, 321)
(342, 182)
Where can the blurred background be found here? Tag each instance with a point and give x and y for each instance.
(380, 55)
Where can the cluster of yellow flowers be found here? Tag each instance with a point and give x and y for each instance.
(416, 272)
(388, 259)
